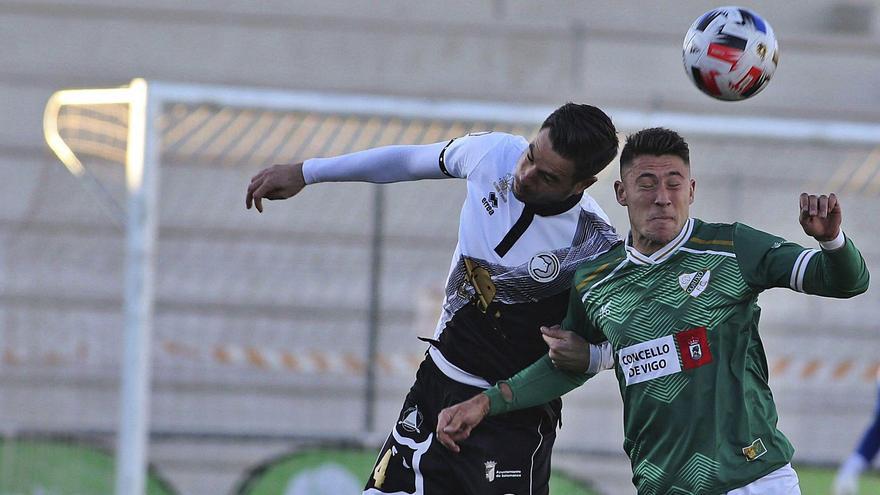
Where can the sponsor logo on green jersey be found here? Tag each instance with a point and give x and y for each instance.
(755, 450)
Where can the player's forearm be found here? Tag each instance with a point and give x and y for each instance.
(538, 384)
(838, 273)
(378, 165)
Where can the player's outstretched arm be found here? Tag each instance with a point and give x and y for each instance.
(377, 165)
(279, 181)
(538, 384)
(839, 270)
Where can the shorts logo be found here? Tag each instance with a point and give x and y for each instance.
(693, 344)
(544, 267)
(694, 283)
(412, 420)
(492, 473)
(490, 470)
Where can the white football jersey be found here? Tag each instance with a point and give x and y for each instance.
(512, 267)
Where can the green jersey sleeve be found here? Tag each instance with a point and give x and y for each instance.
(542, 381)
(766, 261)
(538, 384)
(839, 273)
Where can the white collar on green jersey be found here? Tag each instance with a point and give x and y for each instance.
(663, 253)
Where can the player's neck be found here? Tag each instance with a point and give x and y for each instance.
(549, 209)
(646, 245)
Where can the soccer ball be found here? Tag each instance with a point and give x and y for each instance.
(730, 53)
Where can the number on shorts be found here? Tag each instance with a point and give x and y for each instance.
(381, 467)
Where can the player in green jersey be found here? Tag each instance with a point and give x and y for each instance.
(677, 303)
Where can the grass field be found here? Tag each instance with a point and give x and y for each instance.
(49, 467)
(275, 478)
(817, 481)
(292, 475)
(65, 468)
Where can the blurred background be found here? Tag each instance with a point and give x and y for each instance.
(263, 323)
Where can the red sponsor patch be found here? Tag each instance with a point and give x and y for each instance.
(693, 347)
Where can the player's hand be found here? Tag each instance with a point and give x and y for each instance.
(820, 216)
(455, 423)
(275, 182)
(568, 350)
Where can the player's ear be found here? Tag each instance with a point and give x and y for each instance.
(582, 185)
(693, 188)
(620, 193)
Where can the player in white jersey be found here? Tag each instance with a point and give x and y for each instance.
(526, 224)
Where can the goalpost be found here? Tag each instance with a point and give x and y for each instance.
(146, 123)
(141, 173)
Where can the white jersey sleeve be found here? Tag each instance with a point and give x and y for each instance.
(462, 155)
(378, 165)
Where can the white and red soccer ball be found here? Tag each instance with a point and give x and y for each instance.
(730, 53)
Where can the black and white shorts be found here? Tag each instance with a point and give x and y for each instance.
(505, 454)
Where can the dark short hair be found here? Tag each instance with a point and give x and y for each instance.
(656, 141)
(583, 134)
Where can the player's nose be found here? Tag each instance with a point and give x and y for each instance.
(662, 197)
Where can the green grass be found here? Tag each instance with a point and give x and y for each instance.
(65, 468)
(275, 477)
(59, 468)
(817, 481)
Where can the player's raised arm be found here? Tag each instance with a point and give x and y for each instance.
(378, 165)
(839, 269)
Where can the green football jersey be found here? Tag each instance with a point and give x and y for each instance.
(699, 417)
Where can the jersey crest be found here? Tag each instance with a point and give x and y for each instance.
(694, 283)
(544, 267)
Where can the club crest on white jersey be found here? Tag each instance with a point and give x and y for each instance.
(544, 267)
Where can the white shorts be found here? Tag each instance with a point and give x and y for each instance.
(783, 481)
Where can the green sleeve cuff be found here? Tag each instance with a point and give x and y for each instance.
(538, 384)
(497, 404)
(839, 273)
